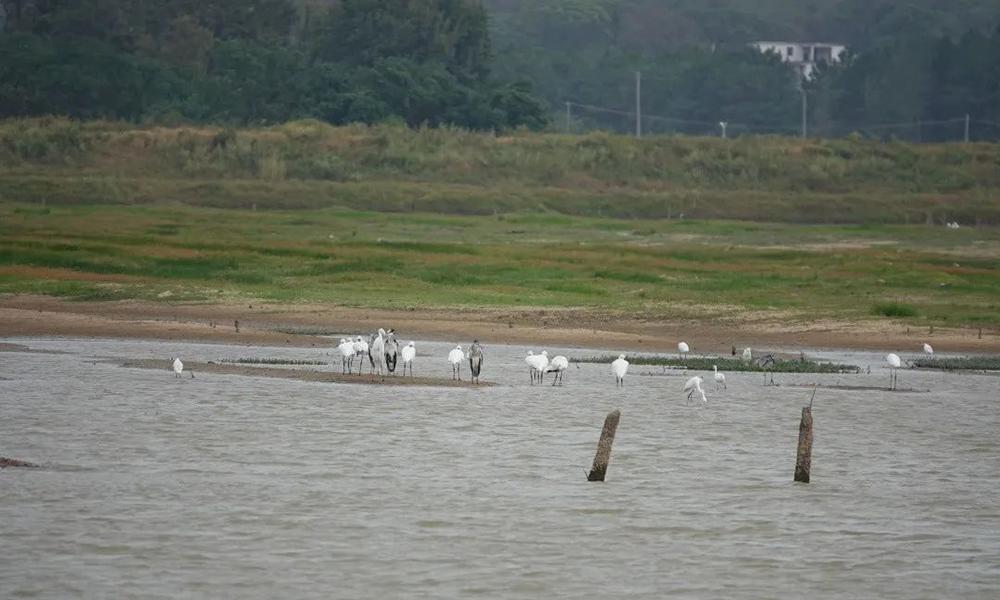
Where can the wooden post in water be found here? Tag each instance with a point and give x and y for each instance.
(803, 458)
(600, 466)
(13, 462)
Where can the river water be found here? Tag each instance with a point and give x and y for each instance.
(239, 487)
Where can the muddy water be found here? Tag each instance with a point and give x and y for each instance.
(229, 486)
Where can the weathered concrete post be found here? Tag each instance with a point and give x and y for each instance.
(803, 459)
(600, 466)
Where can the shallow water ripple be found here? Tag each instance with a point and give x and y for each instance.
(227, 486)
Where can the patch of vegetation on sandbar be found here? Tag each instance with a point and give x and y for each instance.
(705, 363)
(964, 363)
(270, 361)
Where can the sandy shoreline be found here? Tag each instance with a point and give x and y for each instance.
(297, 374)
(298, 325)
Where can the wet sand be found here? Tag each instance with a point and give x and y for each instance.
(300, 325)
(297, 374)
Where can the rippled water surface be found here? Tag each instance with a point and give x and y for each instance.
(228, 486)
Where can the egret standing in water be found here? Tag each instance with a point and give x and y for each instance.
(530, 359)
(409, 352)
(683, 349)
(894, 363)
(619, 367)
(347, 354)
(928, 349)
(694, 385)
(720, 379)
(455, 357)
(178, 367)
(475, 360)
(558, 365)
(538, 363)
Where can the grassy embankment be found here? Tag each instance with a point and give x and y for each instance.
(162, 214)
(308, 164)
(719, 270)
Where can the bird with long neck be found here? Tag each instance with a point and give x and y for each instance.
(409, 353)
(720, 378)
(455, 357)
(619, 367)
(558, 365)
(475, 360)
(894, 364)
(694, 385)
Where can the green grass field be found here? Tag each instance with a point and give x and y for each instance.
(719, 270)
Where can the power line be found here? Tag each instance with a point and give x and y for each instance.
(766, 129)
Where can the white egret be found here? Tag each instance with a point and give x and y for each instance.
(455, 357)
(747, 355)
(530, 359)
(376, 353)
(894, 363)
(694, 385)
(541, 362)
(928, 349)
(720, 378)
(475, 360)
(360, 352)
(409, 353)
(683, 349)
(347, 353)
(619, 367)
(557, 365)
(178, 367)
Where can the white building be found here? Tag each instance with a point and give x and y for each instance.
(804, 56)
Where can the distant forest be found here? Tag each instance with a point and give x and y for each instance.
(503, 64)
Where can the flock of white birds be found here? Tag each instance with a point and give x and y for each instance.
(538, 364)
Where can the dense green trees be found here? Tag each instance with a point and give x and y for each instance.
(259, 61)
(497, 64)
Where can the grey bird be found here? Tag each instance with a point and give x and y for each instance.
(476, 360)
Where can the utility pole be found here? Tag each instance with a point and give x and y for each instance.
(638, 104)
(966, 128)
(805, 111)
(569, 117)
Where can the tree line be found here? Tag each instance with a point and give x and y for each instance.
(501, 64)
(258, 61)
